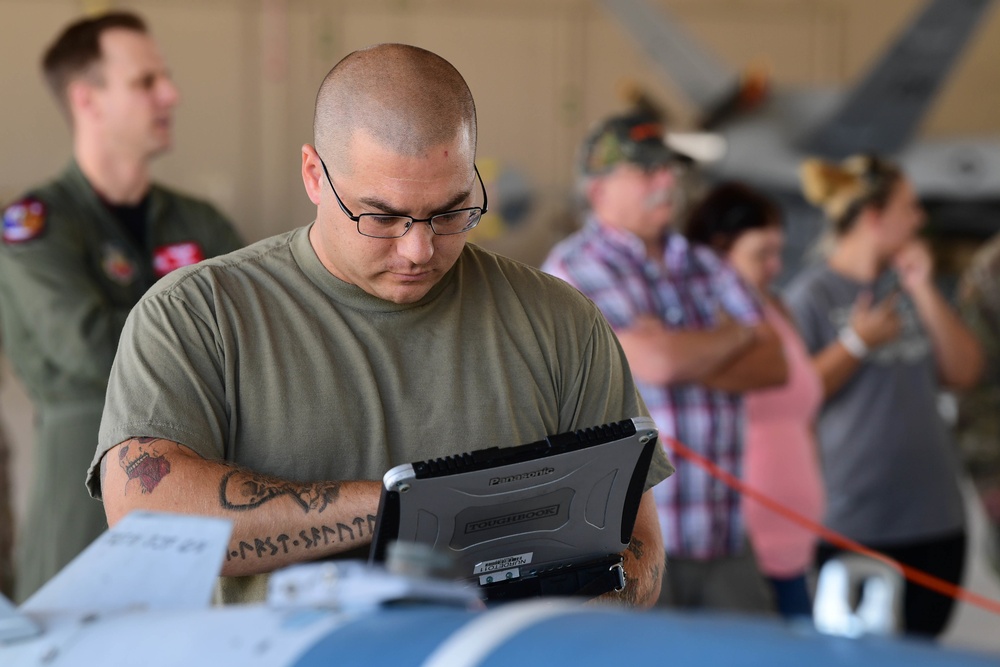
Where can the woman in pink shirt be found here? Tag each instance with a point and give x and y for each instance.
(780, 458)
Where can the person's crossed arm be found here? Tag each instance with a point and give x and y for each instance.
(730, 357)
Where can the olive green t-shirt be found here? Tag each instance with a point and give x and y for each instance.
(263, 358)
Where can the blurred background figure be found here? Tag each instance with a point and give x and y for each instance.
(884, 341)
(780, 457)
(695, 340)
(978, 426)
(77, 253)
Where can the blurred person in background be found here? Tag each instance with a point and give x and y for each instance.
(885, 341)
(978, 426)
(76, 255)
(780, 457)
(695, 339)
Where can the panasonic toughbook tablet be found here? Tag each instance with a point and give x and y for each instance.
(544, 518)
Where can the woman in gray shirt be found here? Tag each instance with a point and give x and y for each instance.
(884, 340)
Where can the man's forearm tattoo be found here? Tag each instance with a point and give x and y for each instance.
(251, 490)
(635, 547)
(315, 537)
(631, 594)
(143, 463)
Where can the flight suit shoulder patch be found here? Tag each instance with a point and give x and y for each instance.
(24, 221)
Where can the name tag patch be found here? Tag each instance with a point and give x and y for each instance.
(168, 258)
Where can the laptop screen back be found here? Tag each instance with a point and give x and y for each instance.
(504, 514)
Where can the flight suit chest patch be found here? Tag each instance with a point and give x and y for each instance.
(117, 266)
(24, 221)
(167, 258)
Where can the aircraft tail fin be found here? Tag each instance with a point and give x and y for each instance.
(701, 77)
(883, 111)
(148, 560)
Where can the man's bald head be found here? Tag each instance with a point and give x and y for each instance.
(406, 98)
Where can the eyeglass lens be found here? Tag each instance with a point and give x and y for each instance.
(389, 226)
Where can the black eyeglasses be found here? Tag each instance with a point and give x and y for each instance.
(383, 226)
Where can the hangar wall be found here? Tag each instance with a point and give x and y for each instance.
(541, 72)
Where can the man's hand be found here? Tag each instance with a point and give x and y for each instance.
(915, 266)
(877, 323)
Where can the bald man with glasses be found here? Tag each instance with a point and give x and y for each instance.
(274, 386)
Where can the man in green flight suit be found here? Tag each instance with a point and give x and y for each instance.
(77, 253)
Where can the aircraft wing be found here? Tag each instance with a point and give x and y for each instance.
(702, 77)
(147, 561)
(883, 111)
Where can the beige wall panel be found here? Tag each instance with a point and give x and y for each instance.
(286, 79)
(204, 46)
(510, 63)
(34, 142)
(970, 100)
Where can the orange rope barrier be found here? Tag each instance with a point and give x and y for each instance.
(916, 576)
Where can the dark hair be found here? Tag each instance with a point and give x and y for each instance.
(726, 212)
(78, 47)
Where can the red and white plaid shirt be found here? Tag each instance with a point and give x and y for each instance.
(685, 289)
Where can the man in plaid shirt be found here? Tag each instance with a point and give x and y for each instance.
(694, 338)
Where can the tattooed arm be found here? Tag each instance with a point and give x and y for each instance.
(644, 559)
(275, 522)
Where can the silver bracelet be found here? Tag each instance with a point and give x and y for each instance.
(852, 342)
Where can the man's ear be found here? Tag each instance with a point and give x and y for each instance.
(594, 190)
(80, 99)
(312, 173)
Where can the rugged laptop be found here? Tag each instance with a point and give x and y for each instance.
(544, 518)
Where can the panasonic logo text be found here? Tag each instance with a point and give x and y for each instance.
(520, 476)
